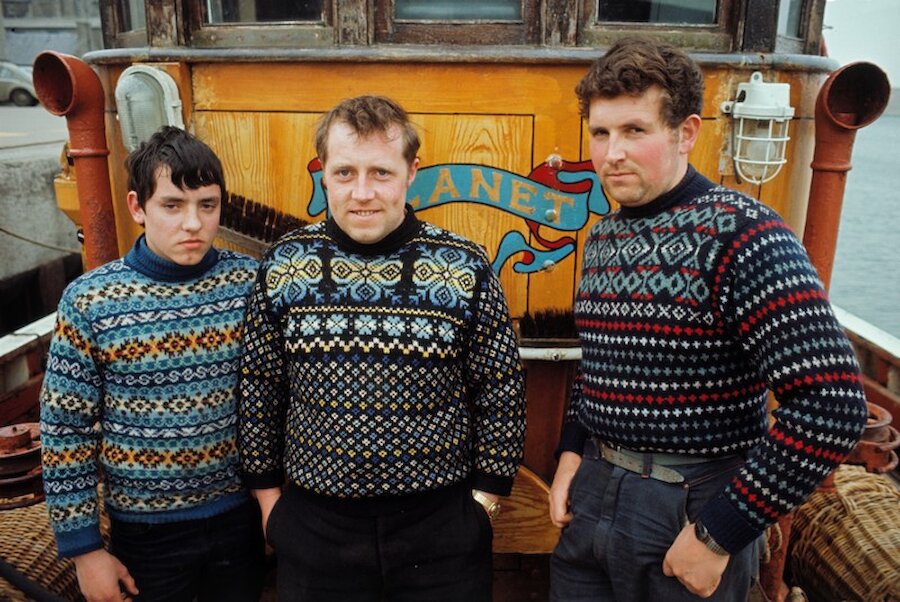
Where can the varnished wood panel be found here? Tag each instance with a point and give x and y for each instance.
(442, 88)
(523, 525)
(500, 141)
(261, 117)
(265, 155)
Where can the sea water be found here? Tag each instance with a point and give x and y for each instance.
(866, 276)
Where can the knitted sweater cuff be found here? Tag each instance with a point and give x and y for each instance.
(78, 542)
(265, 480)
(573, 438)
(726, 525)
(492, 483)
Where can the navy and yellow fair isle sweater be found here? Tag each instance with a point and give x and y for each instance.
(142, 380)
(376, 371)
(689, 309)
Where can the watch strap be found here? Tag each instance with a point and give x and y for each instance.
(703, 535)
(492, 508)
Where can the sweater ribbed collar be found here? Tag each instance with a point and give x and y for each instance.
(692, 185)
(404, 233)
(141, 259)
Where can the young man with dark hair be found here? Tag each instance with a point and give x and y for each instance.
(381, 380)
(694, 302)
(140, 389)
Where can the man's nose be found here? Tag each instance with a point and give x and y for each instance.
(191, 219)
(362, 189)
(615, 149)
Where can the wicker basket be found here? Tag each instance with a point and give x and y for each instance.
(27, 543)
(845, 543)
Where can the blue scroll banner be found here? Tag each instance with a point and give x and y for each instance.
(560, 198)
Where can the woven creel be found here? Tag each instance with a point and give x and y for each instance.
(27, 543)
(845, 543)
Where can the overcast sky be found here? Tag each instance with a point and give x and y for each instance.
(865, 30)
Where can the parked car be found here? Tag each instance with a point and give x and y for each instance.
(16, 85)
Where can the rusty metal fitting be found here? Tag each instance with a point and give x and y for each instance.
(20, 466)
(877, 448)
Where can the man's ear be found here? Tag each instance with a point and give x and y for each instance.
(134, 208)
(413, 169)
(688, 132)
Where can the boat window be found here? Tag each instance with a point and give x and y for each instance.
(698, 12)
(458, 10)
(476, 22)
(132, 15)
(790, 18)
(700, 25)
(262, 11)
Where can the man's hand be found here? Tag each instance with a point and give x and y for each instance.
(102, 578)
(266, 499)
(559, 490)
(698, 568)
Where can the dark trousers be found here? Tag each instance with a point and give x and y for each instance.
(217, 559)
(435, 551)
(622, 527)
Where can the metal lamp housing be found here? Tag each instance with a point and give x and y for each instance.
(146, 99)
(761, 114)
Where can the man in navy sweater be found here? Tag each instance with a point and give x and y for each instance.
(381, 381)
(695, 301)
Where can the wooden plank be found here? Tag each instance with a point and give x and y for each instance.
(524, 522)
(547, 389)
(420, 87)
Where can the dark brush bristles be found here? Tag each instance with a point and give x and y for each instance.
(548, 324)
(256, 220)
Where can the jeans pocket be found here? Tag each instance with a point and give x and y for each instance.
(704, 486)
(481, 515)
(269, 531)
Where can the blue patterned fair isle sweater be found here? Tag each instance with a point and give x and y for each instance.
(690, 308)
(374, 372)
(141, 378)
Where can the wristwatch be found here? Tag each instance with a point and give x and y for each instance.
(703, 535)
(492, 508)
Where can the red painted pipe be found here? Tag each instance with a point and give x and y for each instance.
(67, 86)
(852, 97)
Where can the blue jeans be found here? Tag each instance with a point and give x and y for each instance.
(219, 559)
(622, 527)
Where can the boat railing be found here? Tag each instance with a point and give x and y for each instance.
(22, 360)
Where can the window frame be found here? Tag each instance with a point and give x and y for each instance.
(303, 34)
(717, 37)
(389, 31)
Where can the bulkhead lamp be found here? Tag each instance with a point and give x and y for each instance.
(146, 99)
(761, 113)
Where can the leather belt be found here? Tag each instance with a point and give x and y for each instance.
(648, 465)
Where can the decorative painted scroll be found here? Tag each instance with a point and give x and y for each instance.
(560, 196)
